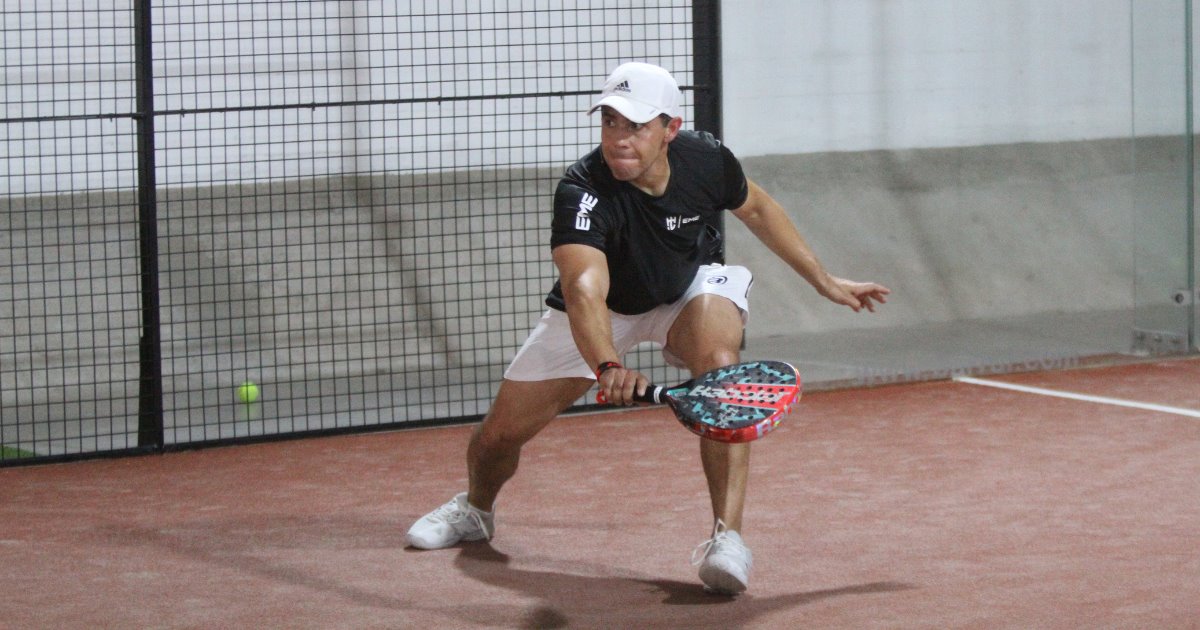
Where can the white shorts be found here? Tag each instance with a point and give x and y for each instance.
(550, 350)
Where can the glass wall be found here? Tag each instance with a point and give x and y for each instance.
(1020, 174)
(1164, 175)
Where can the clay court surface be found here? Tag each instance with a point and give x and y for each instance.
(935, 505)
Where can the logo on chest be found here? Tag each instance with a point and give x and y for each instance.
(676, 222)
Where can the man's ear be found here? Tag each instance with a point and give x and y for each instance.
(673, 128)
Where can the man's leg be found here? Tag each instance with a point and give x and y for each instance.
(707, 335)
(520, 411)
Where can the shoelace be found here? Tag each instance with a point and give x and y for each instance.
(719, 537)
(451, 513)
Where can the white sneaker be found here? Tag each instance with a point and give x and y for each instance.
(448, 525)
(725, 561)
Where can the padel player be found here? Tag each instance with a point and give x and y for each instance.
(635, 242)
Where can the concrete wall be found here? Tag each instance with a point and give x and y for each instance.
(344, 275)
(69, 290)
(382, 299)
(957, 233)
(445, 270)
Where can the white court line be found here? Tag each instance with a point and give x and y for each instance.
(1180, 411)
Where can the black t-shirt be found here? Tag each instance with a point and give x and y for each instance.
(654, 245)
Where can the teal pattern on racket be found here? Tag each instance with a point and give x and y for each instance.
(735, 403)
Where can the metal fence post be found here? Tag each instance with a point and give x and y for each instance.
(706, 65)
(150, 390)
(706, 59)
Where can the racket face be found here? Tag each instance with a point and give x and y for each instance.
(738, 403)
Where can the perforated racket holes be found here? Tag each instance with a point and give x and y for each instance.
(743, 393)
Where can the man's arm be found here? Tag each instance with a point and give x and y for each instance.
(583, 273)
(769, 222)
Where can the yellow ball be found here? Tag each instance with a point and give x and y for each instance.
(247, 392)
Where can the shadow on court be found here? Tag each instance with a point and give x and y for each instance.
(567, 599)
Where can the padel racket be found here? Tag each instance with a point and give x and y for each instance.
(736, 403)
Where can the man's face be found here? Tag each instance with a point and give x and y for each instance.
(635, 152)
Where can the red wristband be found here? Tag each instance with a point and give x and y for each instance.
(606, 366)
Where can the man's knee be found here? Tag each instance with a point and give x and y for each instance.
(503, 431)
(523, 408)
(713, 359)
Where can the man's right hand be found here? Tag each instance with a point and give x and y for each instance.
(618, 385)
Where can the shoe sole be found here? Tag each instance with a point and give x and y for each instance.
(721, 582)
(412, 542)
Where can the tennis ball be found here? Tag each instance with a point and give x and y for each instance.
(247, 392)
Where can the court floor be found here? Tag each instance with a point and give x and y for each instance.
(1071, 501)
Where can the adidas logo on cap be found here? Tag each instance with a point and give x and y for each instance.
(656, 92)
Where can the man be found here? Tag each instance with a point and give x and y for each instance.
(637, 255)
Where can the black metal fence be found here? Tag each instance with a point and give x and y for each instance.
(344, 203)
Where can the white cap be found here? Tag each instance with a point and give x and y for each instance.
(641, 92)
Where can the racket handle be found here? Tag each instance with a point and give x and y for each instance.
(653, 395)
